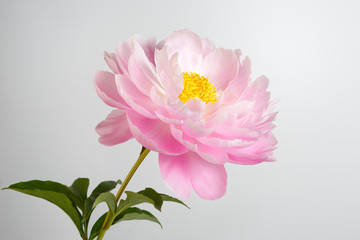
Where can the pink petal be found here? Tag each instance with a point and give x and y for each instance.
(189, 48)
(261, 102)
(149, 46)
(180, 172)
(154, 134)
(106, 89)
(164, 116)
(207, 46)
(111, 61)
(123, 52)
(114, 129)
(175, 173)
(196, 105)
(169, 74)
(142, 72)
(258, 152)
(241, 82)
(221, 66)
(245, 160)
(208, 180)
(257, 87)
(211, 154)
(231, 132)
(217, 142)
(179, 111)
(125, 49)
(134, 98)
(181, 137)
(195, 129)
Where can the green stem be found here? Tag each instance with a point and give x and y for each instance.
(108, 221)
(86, 233)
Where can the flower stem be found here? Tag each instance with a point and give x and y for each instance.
(108, 221)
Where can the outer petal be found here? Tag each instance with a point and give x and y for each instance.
(175, 172)
(208, 180)
(106, 89)
(154, 134)
(114, 129)
(180, 172)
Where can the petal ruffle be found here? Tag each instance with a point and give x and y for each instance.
(154, 134)
(256, 153)
(241, 81)
(142, 71)
(134, 98)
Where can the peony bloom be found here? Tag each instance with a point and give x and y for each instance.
(193, 103)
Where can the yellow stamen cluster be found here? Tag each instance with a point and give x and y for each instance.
(196, 86)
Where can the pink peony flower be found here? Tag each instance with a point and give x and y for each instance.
(193, 103)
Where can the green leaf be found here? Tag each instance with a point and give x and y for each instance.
(97, 226)
(79, 188)
(54, 192)
(135, 214)
(105, 186)
(153, 195)
(132, 199)
(107, 197)
(171, 199)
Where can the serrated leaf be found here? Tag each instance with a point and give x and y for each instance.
(105, 186)
(135, 213)
(171, 199)
(54, 192)
(79, 188)
(97, 226)
(155, 196)
(108, 198)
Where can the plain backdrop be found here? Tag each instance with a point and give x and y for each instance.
(50, 51)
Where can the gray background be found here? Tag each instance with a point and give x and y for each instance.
(49, 109)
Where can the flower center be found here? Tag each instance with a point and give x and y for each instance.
(196, 86)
